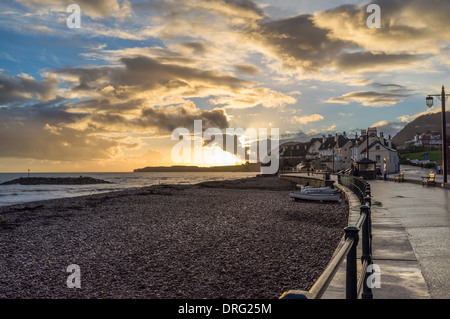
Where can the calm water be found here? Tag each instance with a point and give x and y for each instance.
(15, 194)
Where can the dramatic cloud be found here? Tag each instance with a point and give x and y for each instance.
(247, 69)
(418, 26)
(307, 119)
(369, 98)
(167, 83)
(24, 87)
(299, 43)
(95, 9)
(136, 94)
(363, 61)
(391, 94)
(163, 120)
(136, 70)
(37, 131)
(247, 98)
(142, 74)
(53, 131)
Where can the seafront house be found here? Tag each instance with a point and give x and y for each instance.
(292, 154)
(326, 149)
(313, 148)
(380, 149)
(339, 152)
(335, 152)
(344, 152)
(428, 140)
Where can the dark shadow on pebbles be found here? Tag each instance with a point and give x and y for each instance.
(238, 239)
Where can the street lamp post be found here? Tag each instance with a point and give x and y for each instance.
(429, 100)
(367, 142)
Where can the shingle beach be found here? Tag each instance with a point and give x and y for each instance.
(235, 239)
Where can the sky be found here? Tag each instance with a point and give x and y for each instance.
(107, 96)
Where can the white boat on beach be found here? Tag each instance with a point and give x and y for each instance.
(317, 189)
(317, 194)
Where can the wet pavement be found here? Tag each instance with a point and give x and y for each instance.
(411, 238)
(424, 214)
(416, 173)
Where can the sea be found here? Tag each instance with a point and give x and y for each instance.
(18, 194)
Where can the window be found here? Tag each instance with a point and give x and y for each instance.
(377, 147)
(378, 158)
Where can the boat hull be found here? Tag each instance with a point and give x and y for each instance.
(334, 196)
(317, 190)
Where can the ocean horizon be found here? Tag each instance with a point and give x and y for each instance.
(18, 194)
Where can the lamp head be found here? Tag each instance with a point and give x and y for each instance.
(429, 101)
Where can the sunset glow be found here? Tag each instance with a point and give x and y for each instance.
(106, 96)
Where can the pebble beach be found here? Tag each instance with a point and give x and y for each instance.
(236, 239)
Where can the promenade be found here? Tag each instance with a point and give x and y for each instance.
(422, 214)
(415, 173)
(411, 239)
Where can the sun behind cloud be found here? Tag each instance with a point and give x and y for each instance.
(135, 71)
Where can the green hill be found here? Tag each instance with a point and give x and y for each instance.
(422, 124)
(432, 156)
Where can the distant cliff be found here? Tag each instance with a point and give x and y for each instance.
(427, 122)
(251, 167)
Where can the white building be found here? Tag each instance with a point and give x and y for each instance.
(380, 150)
(313, 149)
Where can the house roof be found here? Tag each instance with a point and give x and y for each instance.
(375, 143)
(342, 140)
(313, 140)
(328, 144)
(353, 140)
(291, 149)
(365, 161)
(363, 138)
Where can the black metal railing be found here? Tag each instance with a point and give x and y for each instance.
(355, 286)
(356, 185)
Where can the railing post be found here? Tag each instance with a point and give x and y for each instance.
(368, 190)
(365, 233)
(351, 277)
(368, 201)
(366, 250)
